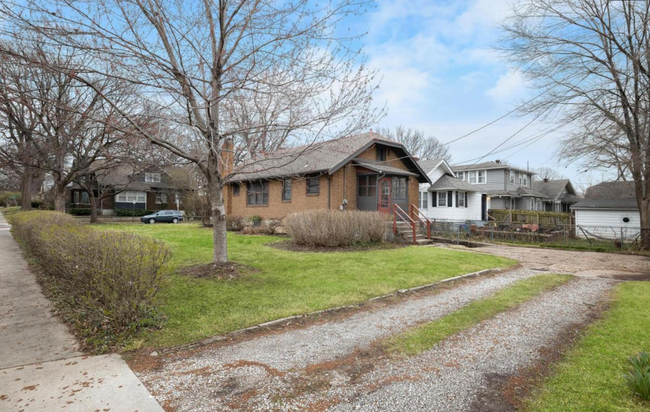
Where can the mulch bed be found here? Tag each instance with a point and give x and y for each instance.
(223, 271)
(289, 245)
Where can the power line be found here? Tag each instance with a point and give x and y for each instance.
(493, 121)
(509, 138)
(519, 143)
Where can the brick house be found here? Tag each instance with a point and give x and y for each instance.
(360, 172)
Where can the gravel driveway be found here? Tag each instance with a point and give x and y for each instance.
(332, 364)
(575, 262)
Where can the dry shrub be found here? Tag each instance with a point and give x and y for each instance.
(330, 228)
(234, 223)
(269, 228)
(107, 278)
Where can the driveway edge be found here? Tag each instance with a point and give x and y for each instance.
(288, 319)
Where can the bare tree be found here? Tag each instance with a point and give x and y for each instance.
(198, 63)
(417, 143)
(590, 60)
(544, 172)
(56, 123)
(18, 128)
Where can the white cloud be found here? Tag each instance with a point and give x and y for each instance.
(509, 85)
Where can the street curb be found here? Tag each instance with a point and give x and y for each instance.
(288, 319)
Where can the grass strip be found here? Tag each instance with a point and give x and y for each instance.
(282, 282)
(424, 337)
(591, 376)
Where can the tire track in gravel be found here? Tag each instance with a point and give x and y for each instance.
(455, 374)
(208, 379)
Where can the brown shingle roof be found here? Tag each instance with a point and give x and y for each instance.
(323, 157)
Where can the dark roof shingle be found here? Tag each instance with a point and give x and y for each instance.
(320, 157)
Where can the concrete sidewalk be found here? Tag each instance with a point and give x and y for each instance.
(41, 366)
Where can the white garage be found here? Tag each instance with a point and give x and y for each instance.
(609, 210)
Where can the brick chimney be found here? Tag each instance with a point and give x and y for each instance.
(546, 180)
(497, 161)
(227, 157)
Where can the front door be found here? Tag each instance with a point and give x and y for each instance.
(384, 195)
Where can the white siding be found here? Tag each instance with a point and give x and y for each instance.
(608, 223)
(471, 212)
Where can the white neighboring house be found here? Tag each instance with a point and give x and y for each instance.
(609, 210)
(449, 198)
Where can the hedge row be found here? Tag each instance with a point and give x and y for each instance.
(107, 280)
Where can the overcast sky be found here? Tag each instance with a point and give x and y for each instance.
(441, 74)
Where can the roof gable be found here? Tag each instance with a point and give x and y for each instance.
(325, 157)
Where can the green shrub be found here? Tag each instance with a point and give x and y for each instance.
(133, 212)
(79, 211)
(107, 279)
(234, 223)
(334, 228)
(639, 377)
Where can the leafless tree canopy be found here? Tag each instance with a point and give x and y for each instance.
(233, 75)
(417, 143)
(545, 172)
(589, 58)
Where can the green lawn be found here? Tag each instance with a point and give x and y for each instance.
(591, 377)
(424, 337)
(287, 283)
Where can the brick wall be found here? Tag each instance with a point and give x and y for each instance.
(277, 209)
(343, 185)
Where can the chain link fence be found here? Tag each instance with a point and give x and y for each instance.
(474, 233)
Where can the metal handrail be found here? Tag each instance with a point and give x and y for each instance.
(403, 216)
(422, 218)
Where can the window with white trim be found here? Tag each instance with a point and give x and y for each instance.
(137, 197)
(152, 177)
(462, 197)
(512, 177)
(161, 198)
(424, 200)
(442, 199)
(525, 176)
(472, 177)
(482, 176)
(460, 175)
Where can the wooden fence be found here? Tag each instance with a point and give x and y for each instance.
(543, 219)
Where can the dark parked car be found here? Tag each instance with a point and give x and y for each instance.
(163, 216)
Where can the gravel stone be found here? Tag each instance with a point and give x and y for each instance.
(196, 379)
(316, 367)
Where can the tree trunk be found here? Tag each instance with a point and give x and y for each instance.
(220, 242)
(93, 206)
(59, 199)
(26, 190)
(644, 211)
